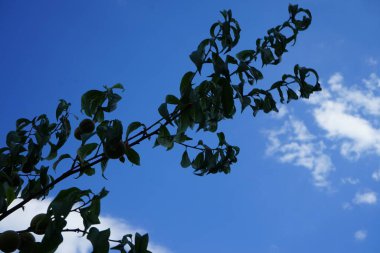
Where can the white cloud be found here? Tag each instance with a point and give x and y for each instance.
(360, 235)
(348, 116)
(372, 61)
(376, 175)
(293, 143)
(350, 180)
(344, 114)
(347, 206)
(373, 82)
(73, 242)
(282, 112)
(367, 197)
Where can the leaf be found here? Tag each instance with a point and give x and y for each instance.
(91, 101)
(171, 99)
(90, 214)
(103, 165)
(227, 98)
(198, 161)
(222, 138)
(124, 241)
(196, 58)
(133, 126)
(246, 55)
(266, 56)
(62, 204)
(86, 150)
(53, 236)
(293, 9)
(281, 94)
(21, 123)
(185, 161)
(163, 110)
(62, 106)
(44, 178)
(132, 156)
(53, 152)
(10, 194)
(141, 243)
(118, 86)
(220, 67)
(291, 95)
(185, 86)
(198, 55)
(115, 131)
(99, 240)
(113, 99)
(267, 104)
(277, 85)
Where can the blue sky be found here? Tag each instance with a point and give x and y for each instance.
(307, 179)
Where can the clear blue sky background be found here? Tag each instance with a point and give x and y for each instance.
(60, 49)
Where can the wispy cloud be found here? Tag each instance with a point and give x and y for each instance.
(360, 235)
(348, 117)
(73, 242)
(346, 206)
(376, 175)
(371, 61)
(282, 112)
(367, 197)
(293, 143)
(350, 180)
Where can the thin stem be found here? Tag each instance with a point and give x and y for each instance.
(78, 230)
(198, 148)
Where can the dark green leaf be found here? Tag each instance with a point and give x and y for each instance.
(227, 98)
(118, 86)
(266, 56)
(64, 201)
(91, 101)
(198, 161)
(21, 123)
(291, 95)
(53, 237)
(246, 55)
(99, 240)
(163, 110)
(133, 126)
(62, 106)
(53, 152)
(90, 214)
(222, 138)
(185, 87)
(185, 161)
(86, 150)
(267, 104)
(132, 156)
(141, 243)
(171, 99)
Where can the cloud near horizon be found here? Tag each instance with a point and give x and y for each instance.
(73, 242)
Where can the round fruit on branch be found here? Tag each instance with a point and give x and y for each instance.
(9, 241)
(26, 241)
(78, 134)
(39, 223)
(87, 126)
